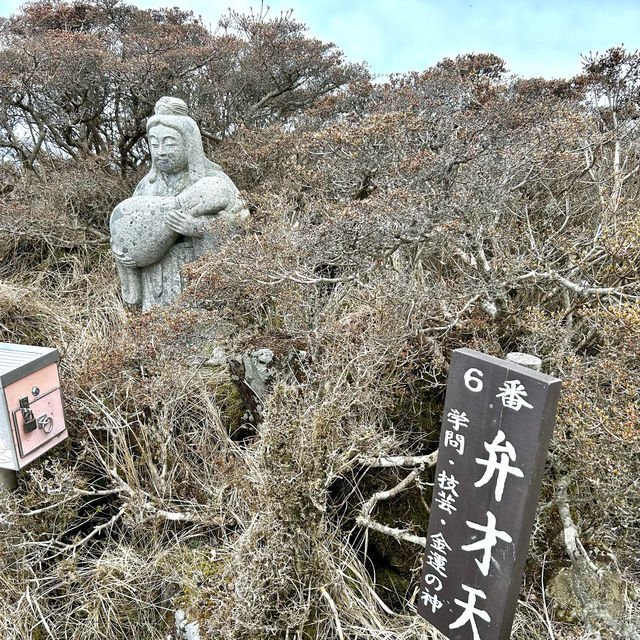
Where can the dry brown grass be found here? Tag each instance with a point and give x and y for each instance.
(379, 243)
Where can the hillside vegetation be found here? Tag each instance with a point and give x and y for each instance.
(391, 222)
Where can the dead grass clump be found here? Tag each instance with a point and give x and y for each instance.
(27, 315)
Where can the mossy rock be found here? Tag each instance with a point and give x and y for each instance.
(605, 593)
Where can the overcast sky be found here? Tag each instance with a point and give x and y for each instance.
(535, 38)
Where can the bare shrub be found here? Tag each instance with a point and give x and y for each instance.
(391, 224)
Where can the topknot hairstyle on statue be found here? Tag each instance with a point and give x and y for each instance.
(170, 106)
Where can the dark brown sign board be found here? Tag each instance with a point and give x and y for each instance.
(496, 426)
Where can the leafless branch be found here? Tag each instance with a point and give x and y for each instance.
(427, 461)
(364, 519)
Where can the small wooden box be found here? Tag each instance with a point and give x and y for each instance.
(31, 412)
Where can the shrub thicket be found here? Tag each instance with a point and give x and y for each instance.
(391, 223)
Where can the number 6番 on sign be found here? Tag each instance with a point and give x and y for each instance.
(496, 426)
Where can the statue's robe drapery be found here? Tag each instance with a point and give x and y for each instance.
(212, 197)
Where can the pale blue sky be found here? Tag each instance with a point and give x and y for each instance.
(535, 38)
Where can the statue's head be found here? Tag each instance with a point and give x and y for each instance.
(175, 141)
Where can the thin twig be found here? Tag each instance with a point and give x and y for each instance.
(398, 534)
(428, 461)
(572, 544)
(105, 525)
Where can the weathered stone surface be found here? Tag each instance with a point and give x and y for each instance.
(595, 598)
(139, 232)
(174, 214)
(185, 630)
(217, 357)
(253, 373)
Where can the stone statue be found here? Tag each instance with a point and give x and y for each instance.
(169, 220)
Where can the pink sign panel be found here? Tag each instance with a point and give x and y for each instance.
(40, 391)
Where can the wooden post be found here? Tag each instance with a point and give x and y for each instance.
(526, 360)
(497, 422)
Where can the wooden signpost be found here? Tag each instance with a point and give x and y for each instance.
(497, 423)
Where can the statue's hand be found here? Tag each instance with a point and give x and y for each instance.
(184, 223)
(208, 196)
(123, 259)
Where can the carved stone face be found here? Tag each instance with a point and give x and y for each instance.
(168, 149)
